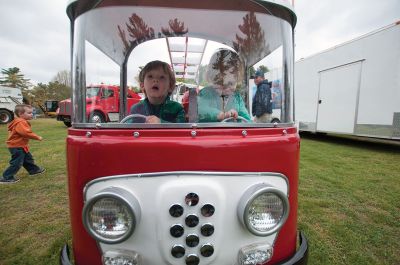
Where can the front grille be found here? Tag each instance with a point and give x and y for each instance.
(68, 107)
(65, 108)
(62, 108)
(189, 217)
(195, 242)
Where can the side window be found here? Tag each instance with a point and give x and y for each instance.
(107, 93)
(270, 68)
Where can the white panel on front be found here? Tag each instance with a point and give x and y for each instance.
(156, 193)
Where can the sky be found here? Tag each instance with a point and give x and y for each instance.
(34, 34)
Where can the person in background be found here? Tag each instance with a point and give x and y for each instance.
(34, 113)
(19, 133)
(157, 81)
(221, 100)
(262, 101)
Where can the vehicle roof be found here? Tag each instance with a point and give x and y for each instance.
(78, 7)
(190, 49)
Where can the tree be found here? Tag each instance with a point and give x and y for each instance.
(63, 77)
(263, 69)
(252, 71)
(250, 44)
(177, 28)
(138, 31)
(52, 91)
(135, 89)
(13, 78)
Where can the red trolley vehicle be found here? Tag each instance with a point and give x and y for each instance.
(202, 191)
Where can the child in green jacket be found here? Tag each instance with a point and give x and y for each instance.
(157, 82)
(220, 100)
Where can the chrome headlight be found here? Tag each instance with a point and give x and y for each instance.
(263, 209)
(111, 215)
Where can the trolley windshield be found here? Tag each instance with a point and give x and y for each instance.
(230, 67)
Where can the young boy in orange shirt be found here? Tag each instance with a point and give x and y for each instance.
(19, 133)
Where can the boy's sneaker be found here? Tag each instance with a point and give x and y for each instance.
(8, 181)
(40, 171)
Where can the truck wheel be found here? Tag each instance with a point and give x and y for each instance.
(67, 123)
(5, 116)
(96, 117)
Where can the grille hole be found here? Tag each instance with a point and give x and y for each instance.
(191, 220)
(207, 210)
(176, 230)
(207, 230)
(176, 210)
(192, 260)
(192, 199)
(207, 250)
(192, 240)
(178, 251)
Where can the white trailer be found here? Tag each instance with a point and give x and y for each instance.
(9, 98)
(352, 88)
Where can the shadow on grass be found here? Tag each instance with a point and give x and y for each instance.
(371, 144)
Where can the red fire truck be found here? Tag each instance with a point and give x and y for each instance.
(198, 192)
(102, 104)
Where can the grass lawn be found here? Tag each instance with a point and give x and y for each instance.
(349, 201)
(34, 214)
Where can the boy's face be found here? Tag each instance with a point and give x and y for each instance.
(156, 85)
(27, 115)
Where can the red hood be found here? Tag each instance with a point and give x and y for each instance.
(68, 100)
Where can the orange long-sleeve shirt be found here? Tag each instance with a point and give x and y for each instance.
(19, 133)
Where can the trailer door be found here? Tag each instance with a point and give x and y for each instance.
(338, 98)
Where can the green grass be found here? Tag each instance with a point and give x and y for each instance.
(349, 201)
(34, 216)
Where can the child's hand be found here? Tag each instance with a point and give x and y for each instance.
(153, 119)
(231, 114)
(221, 116)
(40, 138)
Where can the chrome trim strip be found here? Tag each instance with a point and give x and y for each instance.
(111, 125)
(189, 173)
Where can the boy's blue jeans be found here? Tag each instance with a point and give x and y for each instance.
(20, 159)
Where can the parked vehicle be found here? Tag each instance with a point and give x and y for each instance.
(50, 108)
(102, 104)
(9, 98)
(191, 193)
(352, 88)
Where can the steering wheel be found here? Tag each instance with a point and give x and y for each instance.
(136, 118)
(233, 118)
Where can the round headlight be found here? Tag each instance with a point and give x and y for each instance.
(111, 215)
(263, 209)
